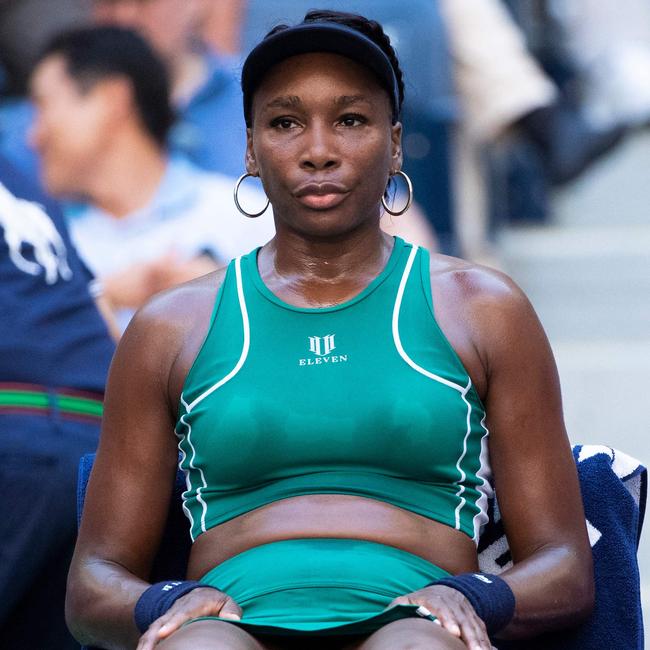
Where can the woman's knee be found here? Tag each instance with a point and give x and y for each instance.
(412, 634)
(210, 635)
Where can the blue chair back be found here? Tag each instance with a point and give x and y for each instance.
(173, 553)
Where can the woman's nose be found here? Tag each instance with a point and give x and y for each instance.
(320, 150)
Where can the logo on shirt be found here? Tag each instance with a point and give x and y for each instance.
(321, 347)
(25, 224)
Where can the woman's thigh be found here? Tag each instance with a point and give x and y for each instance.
(212, 635)
(406, 634)
(410, 634)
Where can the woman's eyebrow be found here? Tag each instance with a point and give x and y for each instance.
(349, 100)
(293, 101)
(285, 101)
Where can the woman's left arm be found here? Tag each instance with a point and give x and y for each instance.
(534, 471)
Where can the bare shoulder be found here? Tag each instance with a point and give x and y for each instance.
(489, 301)
(486, 317)
(165, 335)
(177, 311)
(474, 288)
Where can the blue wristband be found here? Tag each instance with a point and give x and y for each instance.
(489, 595)
(158, 598)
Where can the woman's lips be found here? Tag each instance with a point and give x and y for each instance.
(322, 201)
(321, 196)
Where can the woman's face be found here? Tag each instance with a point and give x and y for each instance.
(323, 144)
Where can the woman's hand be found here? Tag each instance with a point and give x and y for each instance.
(198, 602)
(454, 613)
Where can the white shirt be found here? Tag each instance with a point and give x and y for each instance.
(191, 212)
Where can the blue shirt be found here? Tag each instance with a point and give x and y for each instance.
(210, 129)
(192, 212)
(16, 117)
(50, 330)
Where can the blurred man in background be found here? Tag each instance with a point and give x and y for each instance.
(149, 221)
(205, 86)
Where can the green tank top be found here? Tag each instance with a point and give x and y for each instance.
(364, 398)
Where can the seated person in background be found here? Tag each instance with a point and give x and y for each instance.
(205, 87)
(505, 93)
(55, 350)
(331, 394)
(149, 221)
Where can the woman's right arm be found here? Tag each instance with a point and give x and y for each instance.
(128, 493)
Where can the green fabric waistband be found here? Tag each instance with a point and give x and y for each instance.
(28, 398)
(321, 585)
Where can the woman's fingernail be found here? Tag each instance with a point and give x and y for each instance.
(422, 611)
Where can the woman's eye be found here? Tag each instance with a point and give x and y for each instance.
(284, 123)
(352, 120)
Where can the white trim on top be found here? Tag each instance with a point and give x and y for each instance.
(188, 480)
(189, 407)
(396, 337)
(245, 346)
(485, 474)
(463, 390)
(461, 471)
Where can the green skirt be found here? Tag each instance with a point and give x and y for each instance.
(321, 586)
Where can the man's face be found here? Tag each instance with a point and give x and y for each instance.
(168, 25)
(70, 127)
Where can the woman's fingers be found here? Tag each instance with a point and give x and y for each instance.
(231, 610)
(453, 612)
(438, 609)
(196, 603)
(149, 639)
(163, 627)
(471, 629)
(465, 626)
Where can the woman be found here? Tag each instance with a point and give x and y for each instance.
(333, 430)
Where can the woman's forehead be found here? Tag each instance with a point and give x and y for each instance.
(330, 76)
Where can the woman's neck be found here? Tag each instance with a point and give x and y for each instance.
(316, 272)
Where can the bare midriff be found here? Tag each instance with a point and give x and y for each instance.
(334, 516)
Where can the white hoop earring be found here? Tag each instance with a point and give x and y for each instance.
(250, 215)
(410, 197)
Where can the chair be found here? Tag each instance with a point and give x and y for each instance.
(614, 488)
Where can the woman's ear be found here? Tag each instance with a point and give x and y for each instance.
(250, 161)
(396, 148)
